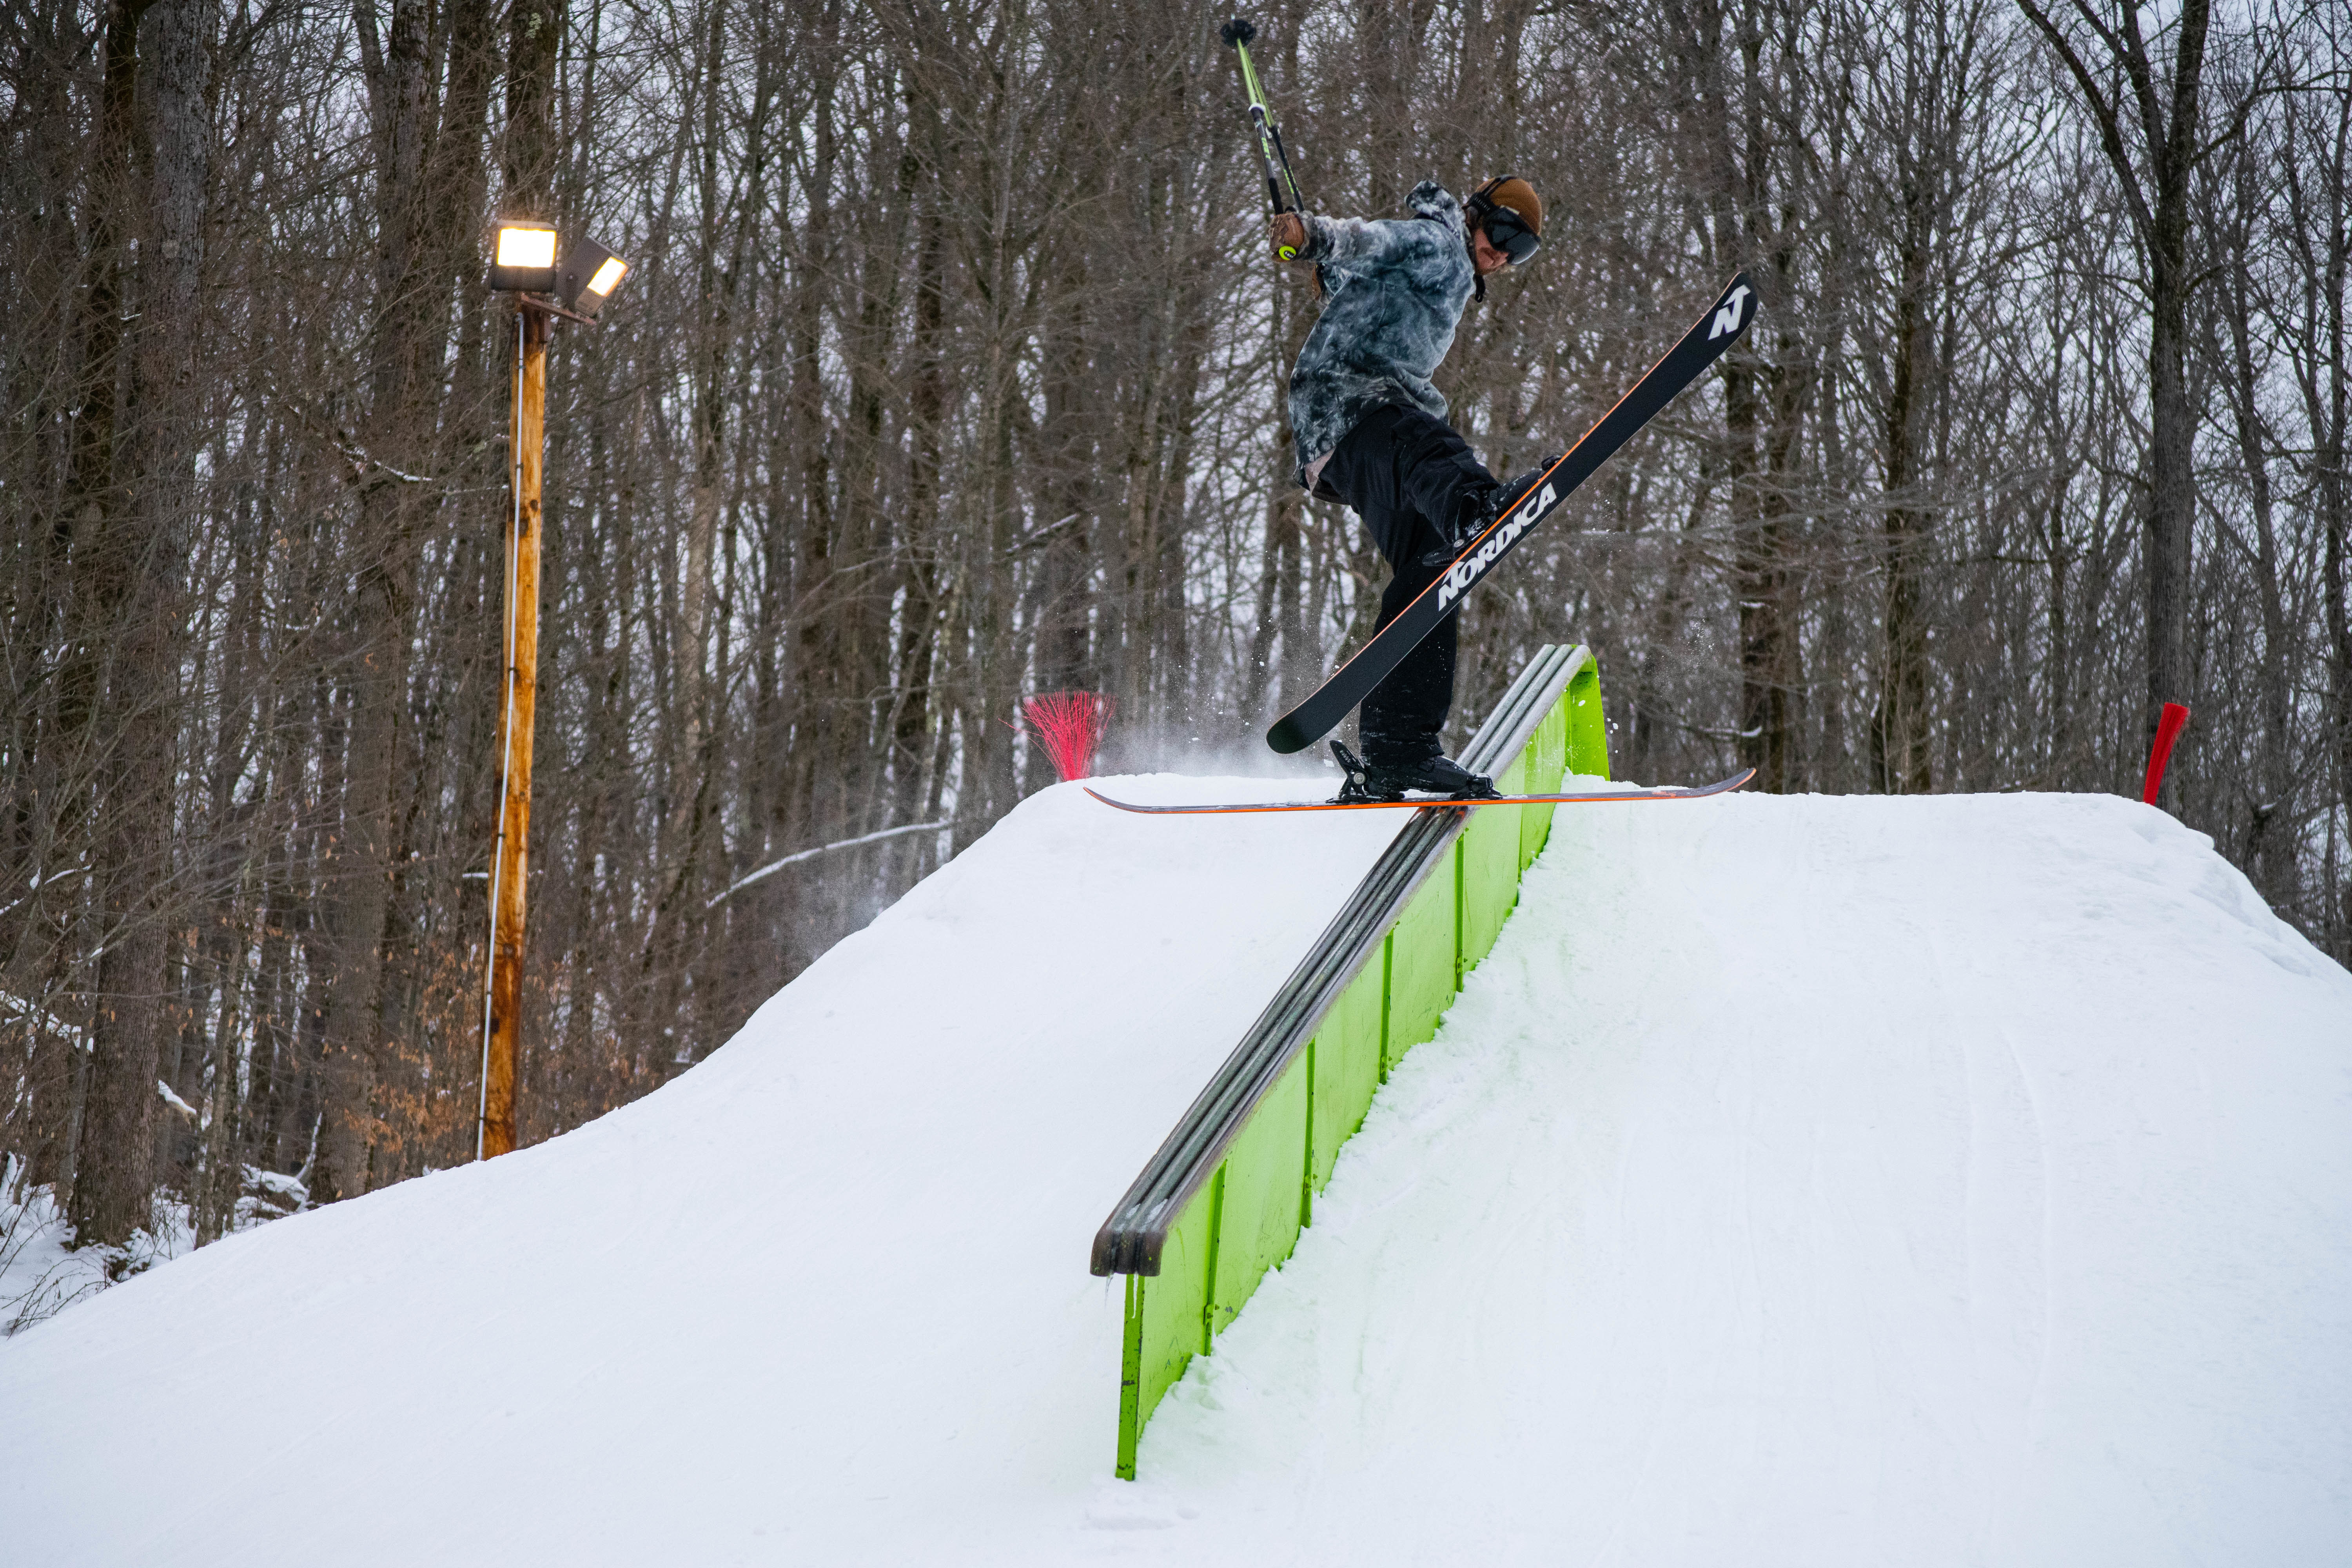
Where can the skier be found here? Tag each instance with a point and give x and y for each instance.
(1370, 432)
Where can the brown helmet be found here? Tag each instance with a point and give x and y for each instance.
(1509, 209)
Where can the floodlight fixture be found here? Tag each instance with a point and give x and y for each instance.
(588, 276)
(524, 259)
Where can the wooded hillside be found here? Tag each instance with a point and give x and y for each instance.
(950, 371)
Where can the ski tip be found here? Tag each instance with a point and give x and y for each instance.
(1734, 312)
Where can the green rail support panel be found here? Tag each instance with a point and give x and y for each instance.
(1226, 1196)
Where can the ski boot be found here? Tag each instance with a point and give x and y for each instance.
(1483, 511)
(1371, 782)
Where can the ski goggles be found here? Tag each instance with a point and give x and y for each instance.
(1508, 233)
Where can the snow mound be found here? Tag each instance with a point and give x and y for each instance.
(1964, 1180)
(1798, 1180)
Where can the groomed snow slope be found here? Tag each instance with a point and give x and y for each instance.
(1806, 1180)
(1963, 1180)
(824, 1299)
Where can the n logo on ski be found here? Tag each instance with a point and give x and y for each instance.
(1727, 320)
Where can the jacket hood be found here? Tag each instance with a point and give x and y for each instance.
(1432, 200)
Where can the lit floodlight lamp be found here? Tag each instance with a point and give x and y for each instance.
(589, 275)
(524, 259)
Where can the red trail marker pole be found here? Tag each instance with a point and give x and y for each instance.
(2168, 729)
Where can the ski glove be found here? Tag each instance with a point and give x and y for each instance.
(1287, 231)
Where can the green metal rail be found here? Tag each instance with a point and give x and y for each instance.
(1224, 1197)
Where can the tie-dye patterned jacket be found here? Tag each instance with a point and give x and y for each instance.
(1393, 290)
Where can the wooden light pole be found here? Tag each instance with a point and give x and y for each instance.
(509, 869)
(526, 265)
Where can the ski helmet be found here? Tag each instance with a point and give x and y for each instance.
(1510, 211)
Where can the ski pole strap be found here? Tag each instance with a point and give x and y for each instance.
(1282, 156)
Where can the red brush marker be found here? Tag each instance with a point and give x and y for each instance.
(2167, 731)
(1069, 725)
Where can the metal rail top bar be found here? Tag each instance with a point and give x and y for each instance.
(1131, 1240)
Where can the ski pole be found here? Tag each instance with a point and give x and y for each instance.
(1281, 184)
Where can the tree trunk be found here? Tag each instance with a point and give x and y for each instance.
(402, 386)
(2158, 200)
(1898, 731)
(120, 562)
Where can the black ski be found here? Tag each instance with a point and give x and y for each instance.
(1353, 681)
(1416, 803)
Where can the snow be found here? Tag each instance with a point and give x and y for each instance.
(175, 1101)
(42, 1272)
(1962, 1180)
(1950, 1180)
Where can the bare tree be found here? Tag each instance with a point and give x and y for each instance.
(950, 369)
(2149, 114)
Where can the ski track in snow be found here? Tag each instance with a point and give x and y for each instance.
(1957, 1180)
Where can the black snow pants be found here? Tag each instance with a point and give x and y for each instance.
(1411, 479)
